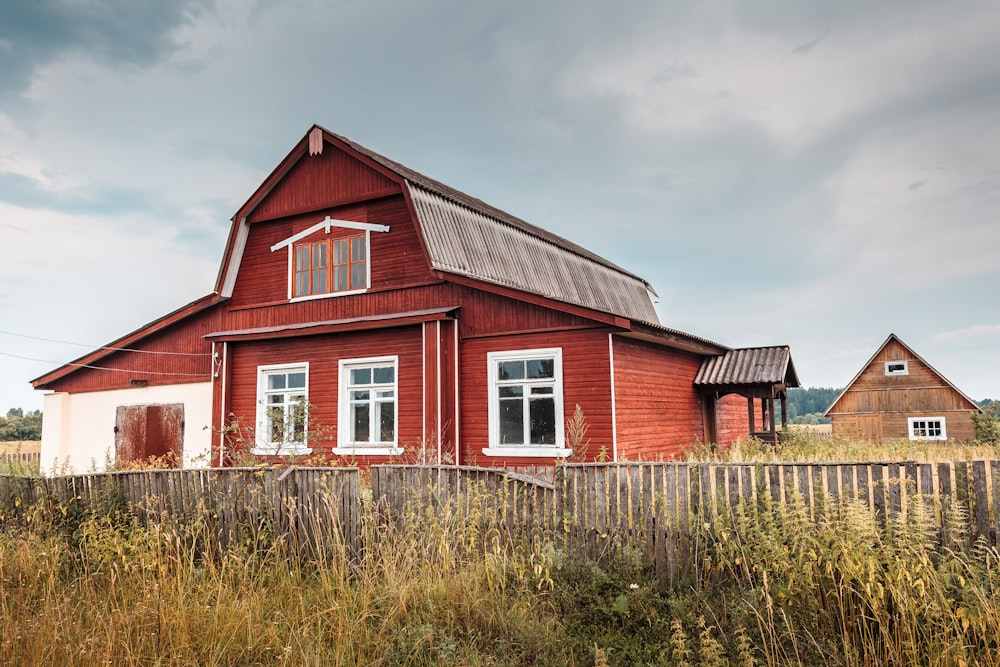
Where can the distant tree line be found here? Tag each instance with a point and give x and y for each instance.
(806, 405)
(21, 425)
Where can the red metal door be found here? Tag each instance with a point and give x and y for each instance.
(147, 431)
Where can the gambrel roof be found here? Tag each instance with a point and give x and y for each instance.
(467, 237)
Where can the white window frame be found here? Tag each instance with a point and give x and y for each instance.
(325, 225)
(905, 371)
(495, 448)
(262, 444)
(345, 447)
(910, 421)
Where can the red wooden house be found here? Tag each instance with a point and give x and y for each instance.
(366, 312)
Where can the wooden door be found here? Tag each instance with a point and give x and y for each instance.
(147, 431)
(870, 428)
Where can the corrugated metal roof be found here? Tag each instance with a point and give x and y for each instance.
(471, 243)
(749, 365)
(467, 236)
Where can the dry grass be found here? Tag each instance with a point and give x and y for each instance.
(775, 585)
(804, 445)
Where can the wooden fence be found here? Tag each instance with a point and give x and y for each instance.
(591, 510)
(588, 510)
(317, 509)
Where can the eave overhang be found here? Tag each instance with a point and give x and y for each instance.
(125, 341)
(335, 326)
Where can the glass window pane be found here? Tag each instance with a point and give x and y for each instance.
(340, 252)
(511, 391)
(542, 391)
(359, 422)
(512, 422)
(387, 421)
(384, 394)
(510, 370)
(296, 381)
(385, 375)
(543, 421)
(541, 368)
(302, 284)
(340, 279)
(361, 376)
(276, 381)
(276, 399)
(360, 395)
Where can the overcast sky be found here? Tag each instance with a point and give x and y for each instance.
(815, 174)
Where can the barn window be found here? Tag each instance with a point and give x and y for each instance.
(282, 413)
(368, 406)
(897, 368)
(335, 264)
(526, 403)
(927, 428)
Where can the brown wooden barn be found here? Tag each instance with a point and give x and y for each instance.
(897, 395)
(366, 312)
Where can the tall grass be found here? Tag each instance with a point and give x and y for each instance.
(441, 590)
(803, 446)
(451, 584)
(838, 588)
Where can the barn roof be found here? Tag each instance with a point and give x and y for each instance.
(749, 365)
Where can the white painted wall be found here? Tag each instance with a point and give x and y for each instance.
(78, 430)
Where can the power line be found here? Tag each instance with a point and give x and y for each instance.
(104, 347)
(103, 368)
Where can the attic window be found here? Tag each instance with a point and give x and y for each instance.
(896, 368)
(330, 265)
(334, 264)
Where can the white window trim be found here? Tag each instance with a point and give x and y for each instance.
(905, 371)
(262, 448)
(326, 224)
(344, 446)
(495, 449)
(909, 428)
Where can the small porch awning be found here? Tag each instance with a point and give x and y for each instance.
(763, 373)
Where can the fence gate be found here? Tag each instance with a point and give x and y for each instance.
(142, 431)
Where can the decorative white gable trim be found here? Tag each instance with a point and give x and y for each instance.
(325, 225)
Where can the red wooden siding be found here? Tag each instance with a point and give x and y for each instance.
(156, 369)
(658, 410)
(320, 181)
(396, 256)
(586, 381)
(732, 422)
(323, 354)
(486, 314)
(440, 419)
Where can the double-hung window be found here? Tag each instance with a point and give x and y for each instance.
(282, 412)
(526, 403)
(927, 428)
(368, 406)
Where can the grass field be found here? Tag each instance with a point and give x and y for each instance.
(787, 590)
